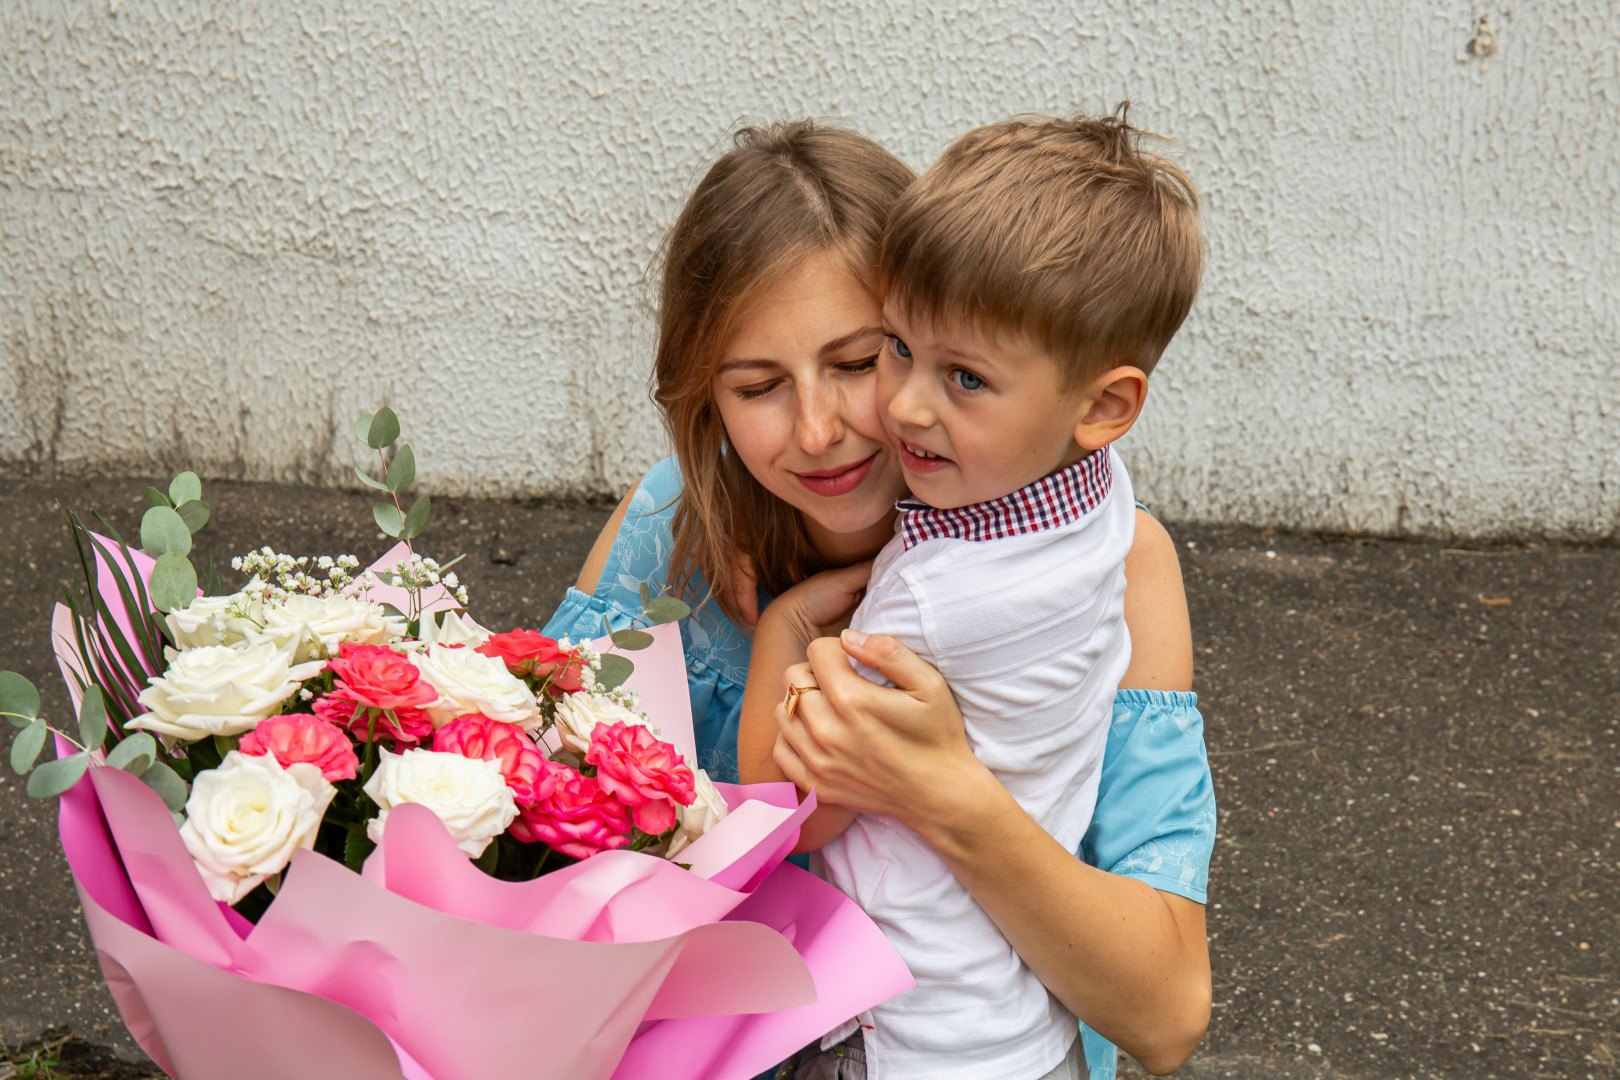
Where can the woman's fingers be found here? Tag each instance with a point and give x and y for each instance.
(902, 667)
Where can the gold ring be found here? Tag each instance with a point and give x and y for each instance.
(793, 694)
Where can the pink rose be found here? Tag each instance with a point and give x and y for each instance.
(578, 818)
(524, 767)
(300, 737)
(643, 772)
(527, 653)
(380, 678)
(408, 728)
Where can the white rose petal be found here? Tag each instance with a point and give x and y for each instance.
(315, 626)
(693, 821)
(452, 629)
(245, 819)
(468, 682)
(218, 690)
(578, 715)
(469, 796)
(213, 620)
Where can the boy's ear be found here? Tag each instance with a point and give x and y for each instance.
(1115, 401)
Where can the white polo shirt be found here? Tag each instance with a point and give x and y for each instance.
(1019, 603)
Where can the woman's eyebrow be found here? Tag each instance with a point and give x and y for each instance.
(854, 335)
(734, 365)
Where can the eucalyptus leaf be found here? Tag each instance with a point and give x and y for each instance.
(157, 498)
(273, 883)
(384, 429)
(646, 594)
(167, 783)
(633, 640)
(194, 512)
(615, 669)
(92, 718)
(174, 582)
(365, 478)
(185, 488)
(136, 754)
(162, 531)
(55, 777)
(362, 426)
(403, 469)
(667, 609)
(18, 698)
(26, 746)
(416, 520)
(387, 515)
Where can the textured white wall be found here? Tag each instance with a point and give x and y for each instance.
(225, 227)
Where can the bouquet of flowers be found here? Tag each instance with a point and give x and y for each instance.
(334, 784)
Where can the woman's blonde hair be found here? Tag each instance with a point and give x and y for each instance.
(779, 195)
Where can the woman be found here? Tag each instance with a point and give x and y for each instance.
(782, 487)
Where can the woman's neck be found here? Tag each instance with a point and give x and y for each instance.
(848, 548)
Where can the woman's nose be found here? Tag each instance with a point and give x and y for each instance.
(820, 426)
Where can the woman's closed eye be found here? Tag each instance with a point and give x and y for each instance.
(859, 367)
(756, 390)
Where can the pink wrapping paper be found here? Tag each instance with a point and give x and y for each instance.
(423, 968)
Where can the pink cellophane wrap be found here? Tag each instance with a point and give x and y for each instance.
(424, 968)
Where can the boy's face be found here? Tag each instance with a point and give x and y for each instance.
(974, 417)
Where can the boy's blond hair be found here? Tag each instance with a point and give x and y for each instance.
(1068, 232)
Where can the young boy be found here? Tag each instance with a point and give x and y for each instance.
(1031, 278)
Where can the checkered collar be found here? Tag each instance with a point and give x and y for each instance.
(1052, 501)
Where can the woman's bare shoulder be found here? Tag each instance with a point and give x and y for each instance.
(591, 572)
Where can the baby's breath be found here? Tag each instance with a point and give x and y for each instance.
(275, 576)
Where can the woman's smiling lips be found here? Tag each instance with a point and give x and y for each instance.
(913, 459)
(840, 480)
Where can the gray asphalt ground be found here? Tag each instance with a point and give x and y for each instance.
(1415, 756)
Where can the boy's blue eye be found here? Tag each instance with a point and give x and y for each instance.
(967, 380)
(900, 349)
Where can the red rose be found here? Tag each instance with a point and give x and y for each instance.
(380, 678)
(643, 772)
(476, 736)
(578, 819)
(298, 737)
(408, 728)
(533, 655)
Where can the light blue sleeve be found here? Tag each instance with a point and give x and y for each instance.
(716, 651)
(1155, 816)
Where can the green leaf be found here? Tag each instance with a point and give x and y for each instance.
(174, 582)
(18, 698)
(646, 594)
(163, 531)
(403, 470)
(224, 744)
(365, 478)
(136, 754)
(489, 859)
(416, 520)
(55, 777)
(167, 783)
(92, 719)
(194, 513)
(185, 488)
(387, 515)
(362, 426)
(384, 429)
(26, 746)
(615, 669)
(356, 848)
(157, 498)
(632, 639)
(667, 609)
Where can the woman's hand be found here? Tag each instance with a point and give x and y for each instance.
(820, 606)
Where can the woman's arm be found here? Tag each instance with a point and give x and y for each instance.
(1129, 960)
(591, 572)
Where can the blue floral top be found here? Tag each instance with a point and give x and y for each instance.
(1155, 815)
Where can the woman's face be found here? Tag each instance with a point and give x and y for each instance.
(796, 390)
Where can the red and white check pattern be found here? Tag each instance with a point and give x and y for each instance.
(1048, 503)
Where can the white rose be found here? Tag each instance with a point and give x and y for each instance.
(452, 629)
(469, 796)
(315, 626)
(245, 819)
(468, 681)
(705, 812)
(214, 620)
(578, 715)
(218, 690)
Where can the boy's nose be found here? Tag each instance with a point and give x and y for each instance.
(909, 406)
